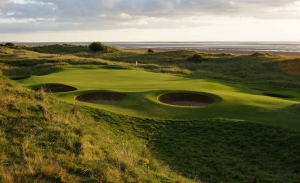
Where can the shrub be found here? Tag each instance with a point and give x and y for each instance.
(260, 54)
(196, 58)
(225, 54)
(82, 54)
(37, 50)
(9, 44)
(111, 49)
(97, 46)
(257, 54)
(150, 51)
(1, 45)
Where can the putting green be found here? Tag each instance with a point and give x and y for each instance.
(142, 89)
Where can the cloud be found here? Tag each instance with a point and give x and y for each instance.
(148, 8)
(113, 14)
(3, 2)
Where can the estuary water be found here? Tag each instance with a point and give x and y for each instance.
(217, 46)
(238, 46)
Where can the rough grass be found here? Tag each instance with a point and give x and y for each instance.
(44, 140)
(218, 150)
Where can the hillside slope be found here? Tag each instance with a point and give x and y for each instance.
(44, 140)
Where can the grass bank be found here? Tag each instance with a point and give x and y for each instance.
(45, 140)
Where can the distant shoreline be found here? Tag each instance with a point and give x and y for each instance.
(237, 48)
(242, 52)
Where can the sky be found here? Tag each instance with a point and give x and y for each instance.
(149, 20)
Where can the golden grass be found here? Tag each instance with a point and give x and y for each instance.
(291, 67)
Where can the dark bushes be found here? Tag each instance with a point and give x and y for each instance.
(196, 58)
(9, 44)
(150, 51)
(37, 50)
(97, 46)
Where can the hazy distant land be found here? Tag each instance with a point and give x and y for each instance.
(282, 48)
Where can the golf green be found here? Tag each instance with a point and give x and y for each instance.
(142, 90)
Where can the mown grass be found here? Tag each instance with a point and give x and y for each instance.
(142, 89)
(46, 140)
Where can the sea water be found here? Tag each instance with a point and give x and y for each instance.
(226, 46)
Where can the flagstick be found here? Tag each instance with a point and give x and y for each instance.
(136, 63)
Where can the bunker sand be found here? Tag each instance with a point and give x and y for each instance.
(55, 88)
(186, 99)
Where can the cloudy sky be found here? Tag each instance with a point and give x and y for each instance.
(149, 20)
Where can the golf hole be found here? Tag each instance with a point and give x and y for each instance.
(186, 99)
(101, 97)
(54, 88)
(276, 95)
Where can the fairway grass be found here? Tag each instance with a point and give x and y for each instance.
(232, 101)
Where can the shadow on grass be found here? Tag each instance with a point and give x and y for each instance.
(224, 150)
(19, 77)
(114, 67)
(218, 150)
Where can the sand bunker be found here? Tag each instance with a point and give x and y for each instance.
(186, 99)
(54, 88)
(101, 97)
(276, 95)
